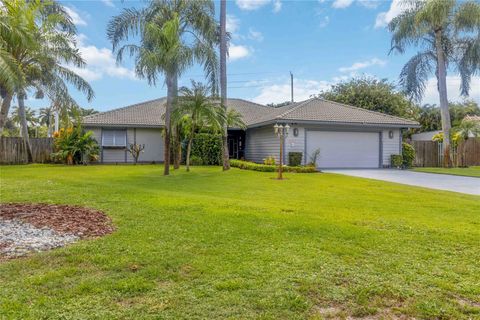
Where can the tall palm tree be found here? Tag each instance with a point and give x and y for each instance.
(234, 119)
(196, 110)
(46, 118)
(174, 34)
(223, 80)
(450, 35)
(30, 116)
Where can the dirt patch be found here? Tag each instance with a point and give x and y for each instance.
(26, 228)
(82, 222)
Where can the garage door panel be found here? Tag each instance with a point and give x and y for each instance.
(339, 149)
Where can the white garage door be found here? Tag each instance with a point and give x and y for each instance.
(345, 149)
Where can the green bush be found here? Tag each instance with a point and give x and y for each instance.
(208, 148)
(408, 154)
(396, 161)
(294, 159)
(196, 161)
(270, 161)
(269, 168)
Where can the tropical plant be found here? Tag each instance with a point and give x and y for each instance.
(173, 35)
(30, 117)
(234, 119)
(466, 129)
(43, 60)
(196, 110)
(73, 146)
(372, 94)
(450, 35)
(46, 118)
(408, 155)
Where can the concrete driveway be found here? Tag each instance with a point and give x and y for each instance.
(460, 184)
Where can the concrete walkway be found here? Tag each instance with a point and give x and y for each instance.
(447, 182)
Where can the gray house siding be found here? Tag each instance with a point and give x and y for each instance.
(261, 143)
(390, 145)
(151, 137)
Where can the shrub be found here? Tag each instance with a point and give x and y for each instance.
(269, 161)
(408, 154)
(208, 148)
(196, 161)
(269, 168)
(396, 161)
(73, 145)
(295, 159)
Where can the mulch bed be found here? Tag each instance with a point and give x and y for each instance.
(82, 222)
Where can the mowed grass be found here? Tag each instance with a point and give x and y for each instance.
(211, 244)
(470, 171)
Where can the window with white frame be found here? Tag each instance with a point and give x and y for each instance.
(114, 138)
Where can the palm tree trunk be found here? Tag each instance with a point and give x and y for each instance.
(442, 90)
(189, 148)
(177, 148)
(24, 127)
(4, 110)
(223, 80)
(168, 123)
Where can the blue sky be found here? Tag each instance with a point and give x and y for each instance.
(321, 42)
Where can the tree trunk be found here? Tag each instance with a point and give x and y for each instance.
(24, 127)
(223, 80)
(442, 91)
(4, 111)
(168, 125)
(177, 143)
(189, 148)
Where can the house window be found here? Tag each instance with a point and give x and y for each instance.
(114, 138)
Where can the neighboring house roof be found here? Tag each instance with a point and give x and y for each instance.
(472, 118)
(315, 110)
(425, 136)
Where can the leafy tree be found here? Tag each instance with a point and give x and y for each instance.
(173, 35)
(196, 110)
(30, 116)
(449, 34)
(371, 94)
(278, 105)
(430, 118)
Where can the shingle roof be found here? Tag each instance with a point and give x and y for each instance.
(149, 114)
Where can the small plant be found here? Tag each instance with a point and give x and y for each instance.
(294, 159)
(247, 165)
(196, 161)
(269, 161)
(135, 150)
(314, 157)
(408, 155)
(396, 161)
(73, 146)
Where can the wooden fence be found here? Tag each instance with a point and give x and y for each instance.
(430, 153)
(13, 151)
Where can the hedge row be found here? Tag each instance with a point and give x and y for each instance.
(206, 149)
(269, 168)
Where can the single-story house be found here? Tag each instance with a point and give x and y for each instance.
(347, 137)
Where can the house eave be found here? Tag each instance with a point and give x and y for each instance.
(336, 123)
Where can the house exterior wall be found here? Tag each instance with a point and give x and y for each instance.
(390, 145)
(260, 143)
(151, 137)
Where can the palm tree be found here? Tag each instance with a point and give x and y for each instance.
(450, 35)
(44, 60)
(196, 110)
(173, 35)
(234, 119)
(46, 118)
(466, 129)
(223, 79)
(30, 117)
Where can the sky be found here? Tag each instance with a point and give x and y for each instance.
(321, 42)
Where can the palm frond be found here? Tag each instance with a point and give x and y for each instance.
(415, 73)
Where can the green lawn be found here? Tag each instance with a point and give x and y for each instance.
(239, 244)
(470, 171)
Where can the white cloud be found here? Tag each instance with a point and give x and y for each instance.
(369, 4)
(302, 90)
(232, 23)
(100, 62)
(255, 35)
(453, 90)
(384, 18)
(76, 18)
(250, 5)
(238, 52)
(363, 64)
(108, 3)
(277, 6)
(324, 21)
(341, 4)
